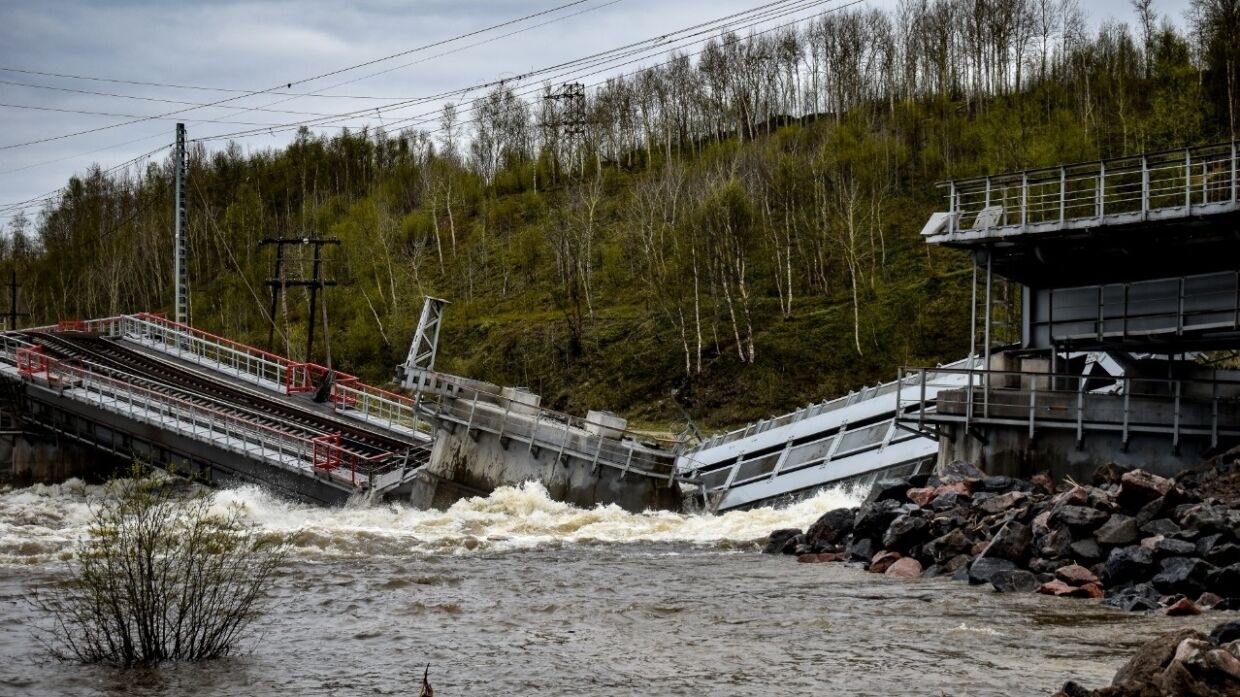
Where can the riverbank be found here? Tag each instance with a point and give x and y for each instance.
(1129, 539)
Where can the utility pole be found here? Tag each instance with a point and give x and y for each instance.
(278, 283)
(13, 313)
(180, 254)
(571, 119)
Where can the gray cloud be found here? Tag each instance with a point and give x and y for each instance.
(256, 44)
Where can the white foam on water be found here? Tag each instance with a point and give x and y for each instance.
(40, 521)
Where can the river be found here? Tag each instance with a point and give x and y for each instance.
(516, 594)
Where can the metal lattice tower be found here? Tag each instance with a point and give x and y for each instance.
(426, 338)
(180, 258)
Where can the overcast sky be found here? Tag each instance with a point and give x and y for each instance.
(256, 44)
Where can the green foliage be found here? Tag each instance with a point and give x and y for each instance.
(752, 245)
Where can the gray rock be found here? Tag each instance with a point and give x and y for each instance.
(1182, 575)
(1129, 564)
(1146, 666)
(1225, 633)
(1225, 580)
(1171, 547)
(1224, 554)
(1081, 517)
(949, 545)
(778, 540)
(905, 532)
(1161, 526)
(889, 490)
(1118, 530)
(873, 519)
(1011, 542)
(860, 549)
(1086, 550)
(1139, 598)
(832, 528)
(984, 568)
(959, 471)
(1015, 581)
(949, 500)
(1056, 544)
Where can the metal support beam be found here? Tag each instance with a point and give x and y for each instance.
(425, 345)
(180, 252)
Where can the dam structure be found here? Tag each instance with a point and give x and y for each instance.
(1126, 279)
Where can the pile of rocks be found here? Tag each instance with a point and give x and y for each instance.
(1186, 663)
(1142, 541)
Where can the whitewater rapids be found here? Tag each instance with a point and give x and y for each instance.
(42, 522)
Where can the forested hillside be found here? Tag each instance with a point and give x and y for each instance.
(740, 224)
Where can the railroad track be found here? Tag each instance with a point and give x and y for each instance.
(115, 360)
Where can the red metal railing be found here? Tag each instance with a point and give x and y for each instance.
(32, 360)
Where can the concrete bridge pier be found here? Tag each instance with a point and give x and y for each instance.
(473, 462)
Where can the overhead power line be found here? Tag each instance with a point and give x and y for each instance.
(289, 85)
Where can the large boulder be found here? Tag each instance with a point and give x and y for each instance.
(905, 532)
(1226, 632)
(960, 471)
(873, 519)
(832, 528)
(1118, 530)
(1014, 581)
(983, 569)
(1182, 575)
(889, 490)
(1002, 502)
(949, 545)
(906, 567)
(1139, 487)
(1129, 564)
(1011, 542)
(1086, 550)
(1225, 581)
(1055, 544)
(1110, 473)
(1079, 517)
(1201, 669)
(778, 541)
(1151, 659)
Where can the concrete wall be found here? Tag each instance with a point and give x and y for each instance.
(29, 459)
(461, 466)
(1009, 451)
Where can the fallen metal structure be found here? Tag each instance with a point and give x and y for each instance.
(141, 386)
(487, 436)
(851, 441)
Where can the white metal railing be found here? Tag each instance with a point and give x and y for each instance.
(1124, 404)
(207, 349)
(1162, 185)
(469, 403)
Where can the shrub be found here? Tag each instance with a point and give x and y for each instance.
(160, 577)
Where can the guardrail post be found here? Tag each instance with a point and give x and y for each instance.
(1124, 430)
(1063, 195)
(1080, 412)
(921, 407)
(1033, 403)
(1024, 198)
(1145, 187)
(1175, 421)
(951, 206)
(1101, 204)
(1188, 180)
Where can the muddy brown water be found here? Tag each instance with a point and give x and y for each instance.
(519, 595)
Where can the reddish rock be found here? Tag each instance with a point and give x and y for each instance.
(1075, 575)
(1076, 496)
(1043, 480)
(1139, 487)
(958, 487)
(1042, 523)
(978, 548)
(883, 561)
(1090, 590)
(1063, 590)
(1055, 587)
(1151, 543)
(921, 496)
(1003, 502)
(1209, 600)
(1181, 607)
(906, 567)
